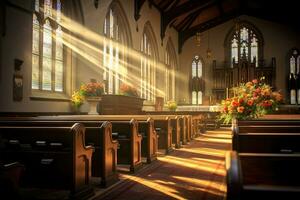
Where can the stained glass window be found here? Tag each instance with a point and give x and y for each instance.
(47, 49)
(234, 51)
(59, 61)
(147, 70)
(254, 50)
(171, 64)
(35, 53)
(114, 71)
(244, 44)
(37, 6)
(194, 69)
(47, 56)
(47, 8)
(58, 11)
(292, 65)
(197, 70)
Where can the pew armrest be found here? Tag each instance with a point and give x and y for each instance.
(233, 176)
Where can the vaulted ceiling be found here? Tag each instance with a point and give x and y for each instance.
(191, 16)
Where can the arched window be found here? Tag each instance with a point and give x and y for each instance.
(244, 42)
(197, 80)
(148, 60)
(47, 47)
(171, 63)
(114, 48)
(294, 77)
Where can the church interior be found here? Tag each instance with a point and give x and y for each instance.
(149, 99)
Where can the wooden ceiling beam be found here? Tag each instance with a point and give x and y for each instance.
(167, 17)
(167, 4)
(186, 34)
(137, 8)
(188, 21)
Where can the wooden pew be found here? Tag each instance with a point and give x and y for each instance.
(262, 176)
(267, 129)
(129, 152)
(268, 122)
(189, 127)
(98, 134)
(176, 130)
(145, 125)
(54, 157)
(268, 137)
(266, 142)
(163, 128)
(184, 130)
(10, 174)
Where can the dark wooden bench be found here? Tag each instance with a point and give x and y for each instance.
(10, 174)
(268, 137)
(184, 129)
(98, 134)
(54, 157)
(262, 176)
(268, 122)
(266, 142)
(163, 128)
(126, 132)
(145, 125)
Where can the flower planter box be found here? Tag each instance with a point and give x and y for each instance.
(119, 104)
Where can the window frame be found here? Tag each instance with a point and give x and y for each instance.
(197, 80)
(230, 36)
(39, 93)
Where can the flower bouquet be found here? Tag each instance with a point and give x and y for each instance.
(251, 100)
(172, 105)
(128, 90)
(92, 89)
(77, 99)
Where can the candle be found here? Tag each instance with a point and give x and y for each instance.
(227, 93)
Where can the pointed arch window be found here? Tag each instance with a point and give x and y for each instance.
(244, 44)
(47, 47)
(115, 70)
(171, 66)
(294, 77)
(197, 83)
(147, 65)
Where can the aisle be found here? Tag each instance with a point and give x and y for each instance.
(194, 172)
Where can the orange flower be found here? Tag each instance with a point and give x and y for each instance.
(250, 102)
(255, 81)
(240, 109)
(249, 84)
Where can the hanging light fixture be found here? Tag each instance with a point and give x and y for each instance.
(198, 36)
(208, 51)
(198, 39)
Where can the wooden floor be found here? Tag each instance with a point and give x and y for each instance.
(195, 171)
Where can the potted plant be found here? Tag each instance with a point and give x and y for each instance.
(92, 92)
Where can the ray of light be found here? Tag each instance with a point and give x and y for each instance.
(156, 186)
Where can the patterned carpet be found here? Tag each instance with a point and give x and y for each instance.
(195, 171)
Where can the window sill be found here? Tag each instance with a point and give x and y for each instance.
(49, 96)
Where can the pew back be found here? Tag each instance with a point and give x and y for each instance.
(52, 156)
